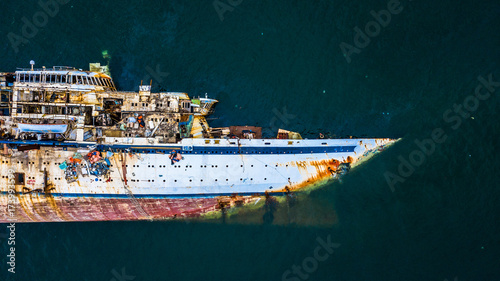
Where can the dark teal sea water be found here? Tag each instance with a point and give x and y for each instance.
(279, 64)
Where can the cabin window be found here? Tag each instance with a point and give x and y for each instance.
(56, 110)
(19, 178)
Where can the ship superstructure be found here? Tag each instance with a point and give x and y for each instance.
(76, 149)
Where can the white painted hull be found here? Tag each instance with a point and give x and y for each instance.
(204, 171)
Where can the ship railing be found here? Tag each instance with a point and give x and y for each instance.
(47, 69)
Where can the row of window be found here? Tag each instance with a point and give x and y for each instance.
(190, 166)
(63, 78)
(201, 180)
(58, 179)
(149, 166)
(145, 104)
(47, 109)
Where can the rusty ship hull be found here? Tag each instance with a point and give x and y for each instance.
(143, 184)
(76, 149)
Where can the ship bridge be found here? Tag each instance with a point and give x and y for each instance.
(65, 77)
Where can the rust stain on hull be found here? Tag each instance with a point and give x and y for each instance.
(324, 169)
(48, 208)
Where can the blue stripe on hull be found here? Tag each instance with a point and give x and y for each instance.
(200, 149)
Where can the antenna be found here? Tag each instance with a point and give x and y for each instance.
(32, 62)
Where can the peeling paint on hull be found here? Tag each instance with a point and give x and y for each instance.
(45, 208)
(203, 192)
